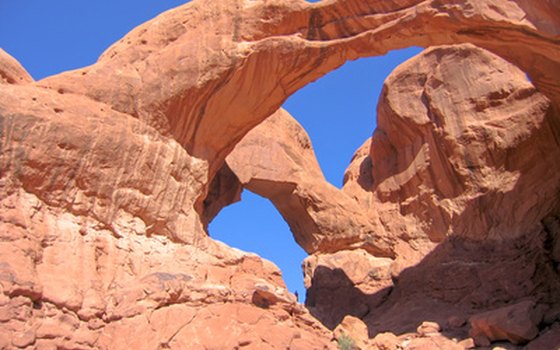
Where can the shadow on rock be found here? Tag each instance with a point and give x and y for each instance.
(456, 280)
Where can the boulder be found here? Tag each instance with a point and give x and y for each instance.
(352, 329)
(516, 323)
(428, 328)
(385, 341)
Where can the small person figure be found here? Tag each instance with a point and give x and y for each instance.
(297, 296)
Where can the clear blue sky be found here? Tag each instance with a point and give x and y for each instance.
(338, 111)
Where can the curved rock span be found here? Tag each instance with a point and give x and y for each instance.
(445, 234)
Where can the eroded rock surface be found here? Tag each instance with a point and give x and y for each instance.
(109, 175)
(517, 323)
(463, 177)
(101, 248)
(462, 135)
(11, 72)
(242, 59)
(276, 160)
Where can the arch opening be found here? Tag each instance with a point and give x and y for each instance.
(338, 113)
(254, 225)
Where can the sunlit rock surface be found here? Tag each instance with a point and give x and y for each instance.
(109, 175)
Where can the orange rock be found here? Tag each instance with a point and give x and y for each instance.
(343, 279)
(25, 339)
(516, 323)
(428, 328)
(298, 43)
(439, 166)
(354, 329)
(444, 152)
(385, 341)
(467, 343)
(276, 160)
(110, 173)
(432, 343)
(11, 72)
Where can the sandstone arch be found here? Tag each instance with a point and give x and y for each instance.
(276, 160)
(461, 136)
(206, 51)
(105, 170)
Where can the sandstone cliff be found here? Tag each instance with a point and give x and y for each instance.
(109, 175)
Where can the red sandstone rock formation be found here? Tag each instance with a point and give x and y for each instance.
(461, 171)
(109, 174)
(276, 160)
(517, 323)
(224, 58)
(100, 247)
(501, 103)
(11, 72)
(459, 134)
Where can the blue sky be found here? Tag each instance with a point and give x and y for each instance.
(338, 111)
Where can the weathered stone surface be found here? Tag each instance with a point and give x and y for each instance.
(486, 134)
(467, 343)
(428, 328)
(276, 160)
(108, 172)
(431, 343)
(468, 139)
(465, 117)
(442, 172)
(100, 291)
(455, 322)
(549, 339)
(101, 245)
(416, 341)
(446, 155)
(385, 341)
(355, 329)
(224, 58)
(516, 323)
(342, 279)
(11, 72)
(125, 175)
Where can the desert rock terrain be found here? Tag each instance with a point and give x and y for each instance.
(446, 234)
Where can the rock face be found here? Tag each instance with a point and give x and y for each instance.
(223, 58)
(110, 174)
(517, 323)
(11, 72)
(276, 160)
(101, 249)
(354, 330)
(462, 136)
(452, 161)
